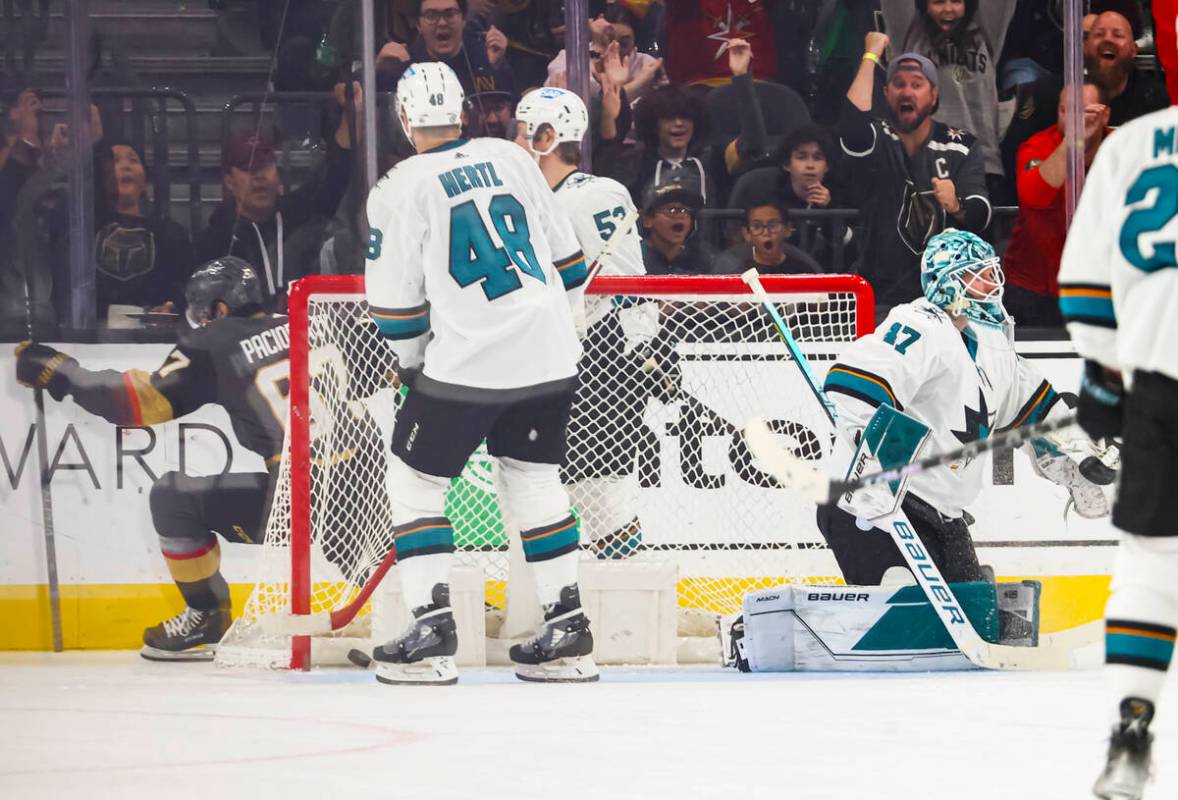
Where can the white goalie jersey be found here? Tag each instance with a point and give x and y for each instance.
(1118, 281)
(470, 268)
(962, 385)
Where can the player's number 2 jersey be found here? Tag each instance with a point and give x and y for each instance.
(1118, 278)
(469, 267)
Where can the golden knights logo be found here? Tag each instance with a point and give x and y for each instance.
(124, 253)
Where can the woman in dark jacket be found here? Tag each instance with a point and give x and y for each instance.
(141, 258)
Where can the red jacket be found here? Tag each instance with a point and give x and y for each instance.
(1036, 243)
(698, 33)
(1165, 13)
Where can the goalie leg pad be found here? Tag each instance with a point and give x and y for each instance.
(857, 628)
(1018, 613)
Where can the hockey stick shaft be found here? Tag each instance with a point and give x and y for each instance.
(952, 614)
(753, 279)
(52, 579)
(47, 522)
(341, 617)
(1012, 438)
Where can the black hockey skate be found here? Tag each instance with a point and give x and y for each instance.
(424, 654)
(1127, 770)
(562, 651)
(191, 635)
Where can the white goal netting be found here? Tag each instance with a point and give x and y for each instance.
(673, 368)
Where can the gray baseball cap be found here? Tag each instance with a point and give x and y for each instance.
(913, 62)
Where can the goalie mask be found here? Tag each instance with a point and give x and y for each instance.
(560, 108)
(960, 273)
(229, 280)
(429, 96)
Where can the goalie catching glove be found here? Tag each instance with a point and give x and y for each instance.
(39, 366)
(1058, 458)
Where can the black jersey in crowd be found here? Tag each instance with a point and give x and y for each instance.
(899, 209)
(141, 261)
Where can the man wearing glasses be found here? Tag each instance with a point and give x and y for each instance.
(476, 55)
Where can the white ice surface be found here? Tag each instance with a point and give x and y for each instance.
(99, 725)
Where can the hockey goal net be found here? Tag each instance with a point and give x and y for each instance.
(673, 368)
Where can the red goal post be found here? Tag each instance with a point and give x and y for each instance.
(718, 331)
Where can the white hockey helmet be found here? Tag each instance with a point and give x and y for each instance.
(560, 108)
(429, 96)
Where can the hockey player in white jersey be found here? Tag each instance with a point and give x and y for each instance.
(468, 275)
(1119, 296)
(947, 360)
(620, 337)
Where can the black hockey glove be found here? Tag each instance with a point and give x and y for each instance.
(1100, 410)
(42, 367)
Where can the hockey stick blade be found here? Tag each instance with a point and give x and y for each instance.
(320, 623)
(805, 479)
(789, 470)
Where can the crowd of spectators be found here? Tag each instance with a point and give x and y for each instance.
(796, 136)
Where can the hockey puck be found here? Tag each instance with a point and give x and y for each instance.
(359, 658)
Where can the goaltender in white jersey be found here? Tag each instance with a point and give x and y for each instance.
(469, 270)
(947, 360)
(619, 334)
(1118, 290)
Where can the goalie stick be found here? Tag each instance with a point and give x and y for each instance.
(784, 466)
(824, 490)
(753, 279)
